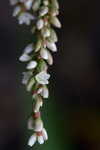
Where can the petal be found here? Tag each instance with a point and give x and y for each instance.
(39, 103)
(28, 49)
(44, 53)
(38, 125)
(45, 135)
(40, 139)
(28, 4)
(40, 24)
(16, 11)
(32, 140)
(45, 92)
(24, 58)
(31, 65)
(51, 46)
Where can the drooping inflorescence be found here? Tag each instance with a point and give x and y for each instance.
(41, 16)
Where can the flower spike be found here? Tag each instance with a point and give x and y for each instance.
(41, 15)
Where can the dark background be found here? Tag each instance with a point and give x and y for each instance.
(72, 113)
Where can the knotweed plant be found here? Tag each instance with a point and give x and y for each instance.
(41, 16)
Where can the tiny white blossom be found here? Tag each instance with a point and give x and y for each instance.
(40, 24)
(26, 77)
(16, 11)
(45, 32)
(42, 77)
(31, 65)
(28, 4)
(25, 18)
(43, 11)
(50, 58)
(44, 53)
(28, 49)
(24, 58)
(32, 140)
(52, 46)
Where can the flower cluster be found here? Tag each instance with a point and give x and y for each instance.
(41, 16)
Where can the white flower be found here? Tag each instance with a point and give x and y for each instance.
(38, 125)
(31, 65)
(24, 58)
(40, 139)
(26, 77)
(45, 135)
(52, 46)
(32, 140)
(16, 11)
(42, 77)
(25, 18)
(28, 4)
(44, 53)
(28, 49)
(13, 2)
(45, 32)
(44, 10)
(40, 24)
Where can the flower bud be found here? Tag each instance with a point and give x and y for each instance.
(30, 84)
(51, 46)
(24, 58)
(45, 32)
(50, 59)
(36, 5)
(43, 11)
(40, 139)
(44, 53)
(55, 21)
(40, 24)
(32, 140)
(31, 65)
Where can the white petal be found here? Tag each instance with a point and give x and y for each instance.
(16, 11)
(30, 124)
(40, 139)
(31, 65)
(44, 10)
(40, 24)
(38, 125)
(45, 32)
(28, 49)
(28, 4)
(39, 103)
(24, 58)
(32, 140)
(45, 92)
(44, 53)
(45, 135)
(51, 46)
